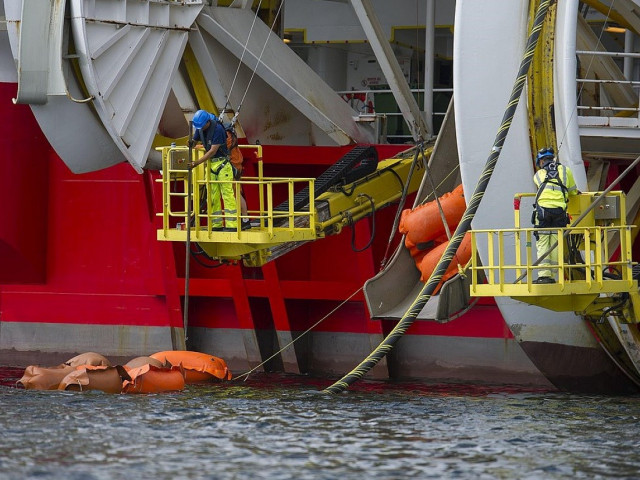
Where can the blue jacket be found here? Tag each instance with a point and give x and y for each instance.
(214, 135)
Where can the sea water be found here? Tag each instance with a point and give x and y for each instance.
(281, 427)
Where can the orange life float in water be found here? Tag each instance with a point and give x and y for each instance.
(198, 366)
(89, 377)
(44, 378)
(151, 379)
(88, 358)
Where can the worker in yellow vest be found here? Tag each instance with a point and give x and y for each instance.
(555, 185)
(212, 134)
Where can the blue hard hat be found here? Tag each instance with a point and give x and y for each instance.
(201, 117)
(544, 153)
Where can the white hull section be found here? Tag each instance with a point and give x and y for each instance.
(72, 129)
(482, 86)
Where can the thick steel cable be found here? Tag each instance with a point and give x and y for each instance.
(465, 223)
(244, 50)
(253, 74)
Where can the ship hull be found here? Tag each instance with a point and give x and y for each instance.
(579, 369)
(86, 274)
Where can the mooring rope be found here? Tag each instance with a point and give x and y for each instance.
(246, 374)
(465, 223)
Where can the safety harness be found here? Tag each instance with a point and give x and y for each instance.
(552, 177)
(225, 160)
(552, 215)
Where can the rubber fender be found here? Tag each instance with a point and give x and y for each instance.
(430, 261)
(88, 358)
(198, 366)
(44, 378)
(88, 377)
(424, 223)
(151, 379)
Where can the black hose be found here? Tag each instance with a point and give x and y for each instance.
(373, 227)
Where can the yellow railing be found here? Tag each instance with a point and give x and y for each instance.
(266, 219)
(599, 248)
(509, 262)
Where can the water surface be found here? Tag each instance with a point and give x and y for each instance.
(279, 427)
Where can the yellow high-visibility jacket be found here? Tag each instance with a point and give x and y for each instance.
(552, 194)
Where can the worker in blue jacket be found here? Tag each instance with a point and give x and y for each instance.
(212, 134)
(555, 185)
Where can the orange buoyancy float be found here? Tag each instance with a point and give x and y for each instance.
(423, 224)
(429, 262)
(88, 358)
(89, 377)
(198, 366)
(151, 379)
(44, 378)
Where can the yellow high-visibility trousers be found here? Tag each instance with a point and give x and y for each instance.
(545, 240)
(224, 190)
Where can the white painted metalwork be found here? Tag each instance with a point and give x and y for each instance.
(129, 52)
(391, 69)
(282, 71)
(565, 88)
(353, 97)
(72, 129)
(429, 60)
(617, 94)
(488, 47)
(40, 51)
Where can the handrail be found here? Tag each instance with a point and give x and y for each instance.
(597, 229)
(369, 96)
(597, 258)
(634, 84)
(175, 183)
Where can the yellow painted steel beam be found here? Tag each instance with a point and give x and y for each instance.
(203, 96)
(540, 84)
(567, 288)
(383, 187)
(610, 13)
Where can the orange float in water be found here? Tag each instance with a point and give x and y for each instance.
(44, 378)
(151, 379)
(89, 377)
(198, 366)
(89, 358)
(162, 372)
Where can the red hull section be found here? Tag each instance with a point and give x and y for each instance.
(80, 252)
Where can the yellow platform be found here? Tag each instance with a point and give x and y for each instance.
(187, 213)
(601, 240)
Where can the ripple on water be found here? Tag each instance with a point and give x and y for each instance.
(281, 427)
